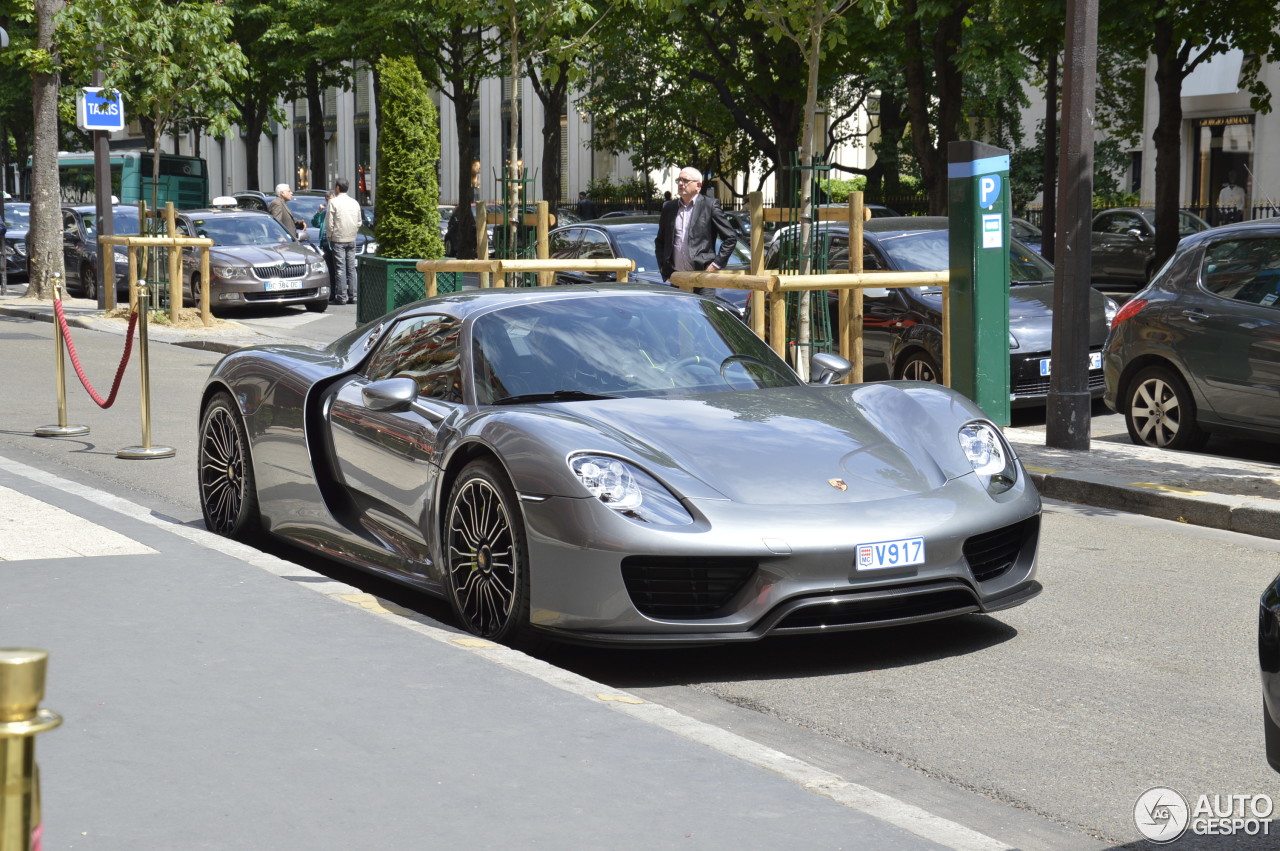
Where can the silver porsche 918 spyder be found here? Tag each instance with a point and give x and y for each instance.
(618, 464)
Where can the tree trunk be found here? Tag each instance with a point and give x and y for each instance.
(465, 233)
(1168, 140)
(46, 217)
(553, 104)
(1049, 177)
(319, 177)
(934, 66)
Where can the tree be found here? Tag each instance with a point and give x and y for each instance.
(44, 235)
(408, 152)
(154, 50)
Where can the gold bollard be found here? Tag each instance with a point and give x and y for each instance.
(22, 673)
(146, 450)
(60, 377)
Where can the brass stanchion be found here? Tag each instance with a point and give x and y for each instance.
(60, 377)
(22, 673)
(146, 450)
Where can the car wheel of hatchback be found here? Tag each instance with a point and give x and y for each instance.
(919, 367)
(1160, 411)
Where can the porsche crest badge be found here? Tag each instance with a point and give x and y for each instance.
(838, 484)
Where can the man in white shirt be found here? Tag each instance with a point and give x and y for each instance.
(1230, 201)
(341, 224)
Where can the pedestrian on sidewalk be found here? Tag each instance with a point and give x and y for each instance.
(279, 207)
(687, 231)
(342, 224)
(318, 221)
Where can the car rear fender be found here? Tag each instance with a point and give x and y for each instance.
(1135, 366)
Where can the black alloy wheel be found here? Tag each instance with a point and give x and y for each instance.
(485, 555)
(228, 497)
(1161, 412)
(88, 282)
(919, 367)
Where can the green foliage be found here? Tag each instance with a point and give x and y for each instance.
(636, 189)
(838, 191)
(407, 220)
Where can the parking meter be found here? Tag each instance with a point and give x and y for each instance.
(979, 210)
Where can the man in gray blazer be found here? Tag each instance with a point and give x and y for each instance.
(687, 232)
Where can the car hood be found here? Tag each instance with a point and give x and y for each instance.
(1031, 316)
(781, 446)
(263, 255)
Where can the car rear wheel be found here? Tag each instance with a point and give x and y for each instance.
(1160, 411)
(485, 555)
(919, 367)
(228, 496)
(88, 282)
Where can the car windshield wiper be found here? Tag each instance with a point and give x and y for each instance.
(555, 396)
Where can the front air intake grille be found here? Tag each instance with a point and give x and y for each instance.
(283, 270)
(993, 553)
(275, 295)
(1040, 386)
(898, 605)
(673, 587)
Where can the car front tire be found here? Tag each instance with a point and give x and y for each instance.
(919, 367)
(485, 556)
(318, 306)
(228, 494)
(1161, 412)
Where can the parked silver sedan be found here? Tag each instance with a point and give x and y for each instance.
(254, 261)
(618, 464)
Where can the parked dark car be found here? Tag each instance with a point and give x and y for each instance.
(902, 337)
(80, 248)
(1026, 233)
(254, 261)
(1269, 662)
(304, 205)
(1124, 244)
(17, 219)
(1196, 350)
(631, 238)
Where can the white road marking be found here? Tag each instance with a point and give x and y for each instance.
(884, 807)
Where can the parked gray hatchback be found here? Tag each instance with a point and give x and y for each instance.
(1198, 350)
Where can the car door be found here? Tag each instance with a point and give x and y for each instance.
(1226, 329)
(884, 313)
(563, 245)
(595, 245)
(1118, 253)
(387, 460)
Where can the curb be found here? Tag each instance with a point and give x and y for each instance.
(156, 333)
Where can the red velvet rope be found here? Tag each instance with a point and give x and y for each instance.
(75, 360)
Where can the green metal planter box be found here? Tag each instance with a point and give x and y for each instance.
(385, 284)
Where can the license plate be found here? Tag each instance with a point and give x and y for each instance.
(277, 284)
(886, 554)
(1095, 362)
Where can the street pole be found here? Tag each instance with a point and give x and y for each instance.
(102, 202)
(1067, 423)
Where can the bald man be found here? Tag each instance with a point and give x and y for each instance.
(688, 229)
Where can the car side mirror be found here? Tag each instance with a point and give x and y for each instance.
(390, 395)
(827, 368)
(1135, 233)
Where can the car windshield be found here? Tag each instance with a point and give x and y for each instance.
(124, 220)
(928, 251)
(619, 345)
(636, 242)
(17, 215)
(253, 229)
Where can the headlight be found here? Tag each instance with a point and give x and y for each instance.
(991, 457)
(1013, 341)
(120, 254)
(21, 247)
(1112, 308)
(231, 271)
(629, 490)
(371, 247)
(317, 267)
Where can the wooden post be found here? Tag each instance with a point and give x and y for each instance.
(852, 316)
(545, 279)
(205, 316)
(778, 322)
(482, 238)
(175, 263)
(755, 203)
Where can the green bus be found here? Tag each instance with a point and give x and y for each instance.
(183, 180)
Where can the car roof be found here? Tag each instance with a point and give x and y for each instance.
(617, 222)
(212, 212)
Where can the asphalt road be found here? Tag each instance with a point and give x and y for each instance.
(1136, 667)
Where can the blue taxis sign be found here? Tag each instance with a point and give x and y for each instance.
(96, 111)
